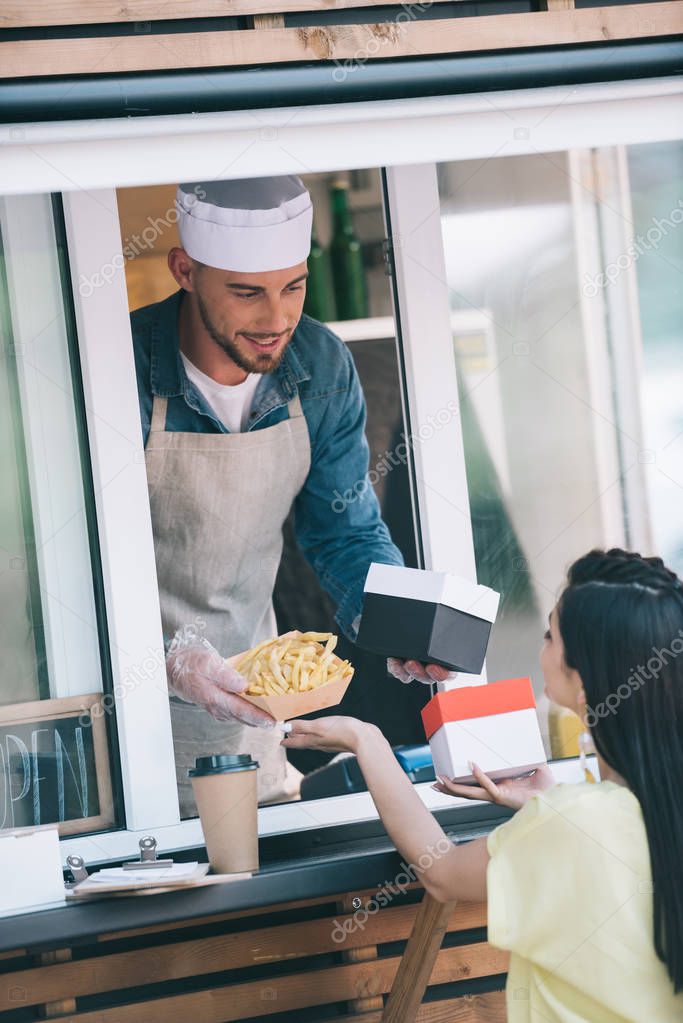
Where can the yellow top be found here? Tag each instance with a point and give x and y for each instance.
(570, 896)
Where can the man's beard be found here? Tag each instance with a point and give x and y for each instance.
(265, 363)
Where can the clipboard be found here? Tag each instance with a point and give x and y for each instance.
(116, 879)
(151, 886)
(145, 876)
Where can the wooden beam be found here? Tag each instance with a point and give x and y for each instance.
(417, 963)
(41, 13)
(348, 45)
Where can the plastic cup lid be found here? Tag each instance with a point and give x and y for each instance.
(222, 764)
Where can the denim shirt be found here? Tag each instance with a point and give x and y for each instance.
(337, 517)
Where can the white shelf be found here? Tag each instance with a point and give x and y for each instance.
(374, 328)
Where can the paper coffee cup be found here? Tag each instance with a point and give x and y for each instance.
(224, 789)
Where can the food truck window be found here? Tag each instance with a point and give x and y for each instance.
(56, 706)
(483, 244)
(568, 445)
(348, 289)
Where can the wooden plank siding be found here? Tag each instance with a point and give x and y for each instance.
(310, 988)
(297, 966)
(205, 955)
(41, 13)
(20, 58)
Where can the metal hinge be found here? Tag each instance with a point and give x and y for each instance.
(388, 256)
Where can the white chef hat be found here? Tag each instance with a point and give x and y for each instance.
(251, 224)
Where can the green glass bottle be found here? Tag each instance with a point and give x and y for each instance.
(347, 259)
(320, 301)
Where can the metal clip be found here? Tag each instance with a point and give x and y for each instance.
(76, 865)
(148, 856)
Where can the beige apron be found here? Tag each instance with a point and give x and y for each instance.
(218, 503)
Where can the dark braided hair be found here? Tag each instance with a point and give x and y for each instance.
(621, 621)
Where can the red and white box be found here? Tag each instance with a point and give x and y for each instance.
(494, 725)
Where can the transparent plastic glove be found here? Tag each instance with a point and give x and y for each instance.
(406, 671)
(198, 674)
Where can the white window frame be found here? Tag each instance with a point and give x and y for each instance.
(120, 152)
(122, 505)
(86, 161)
(622, 307)
(584, 191)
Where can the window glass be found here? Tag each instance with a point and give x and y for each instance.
(656, 177)
(540, 496)
(349, 290)
(55, 721)
(299, 596)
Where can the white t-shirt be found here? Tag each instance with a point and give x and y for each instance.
(231, 402)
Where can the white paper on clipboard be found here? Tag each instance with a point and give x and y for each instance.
(171, 874)
(116, 879)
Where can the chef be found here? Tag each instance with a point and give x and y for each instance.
(248, 407)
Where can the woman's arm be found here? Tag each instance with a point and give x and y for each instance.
(447, 871)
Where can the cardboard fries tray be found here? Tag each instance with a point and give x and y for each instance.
(295, 705)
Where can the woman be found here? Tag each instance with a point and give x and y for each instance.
(584, 884)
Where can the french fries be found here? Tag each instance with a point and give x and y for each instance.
(292, 664)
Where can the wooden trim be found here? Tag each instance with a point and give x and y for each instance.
(41, 13)
(66, 707)
(467, 916)
(267, 996)
(194, 922)
(341, 43)
(262, 910)
(211, 954)
(417, 962)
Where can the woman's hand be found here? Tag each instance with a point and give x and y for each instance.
(332, 734)
(514, 792)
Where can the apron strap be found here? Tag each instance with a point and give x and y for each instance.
(294, 408)
(158, 424)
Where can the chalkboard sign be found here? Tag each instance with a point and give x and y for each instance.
(54, 765)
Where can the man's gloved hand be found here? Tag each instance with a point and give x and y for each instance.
(198, 674)
(406, 671)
